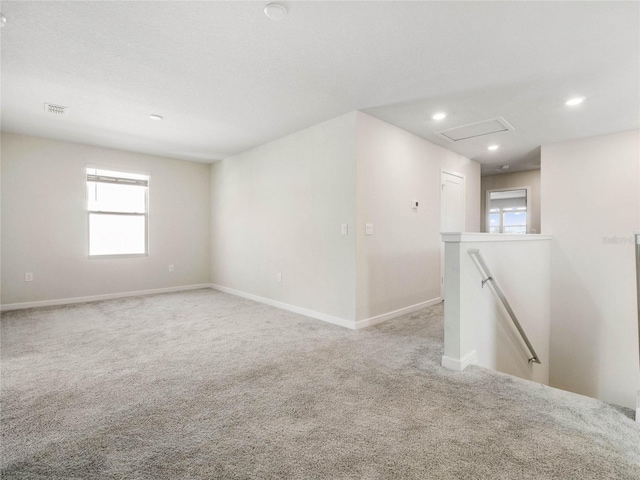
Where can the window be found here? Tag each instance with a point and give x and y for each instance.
(515, 221)
(508, 211)
(117, 206)
(494, 220)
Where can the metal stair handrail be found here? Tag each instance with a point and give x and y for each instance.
(474, 252)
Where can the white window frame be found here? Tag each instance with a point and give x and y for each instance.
(102, 212)
(487, 208)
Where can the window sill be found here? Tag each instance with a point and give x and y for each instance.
(122, 255)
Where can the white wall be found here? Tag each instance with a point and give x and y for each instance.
(591, 194)
(279, 208)
(44, 222)
(529, 178)
(477, 327)
(399, 265)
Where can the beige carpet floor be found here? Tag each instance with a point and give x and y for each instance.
(202, 384)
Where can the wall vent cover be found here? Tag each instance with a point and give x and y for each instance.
(53, 109)
(474, 130)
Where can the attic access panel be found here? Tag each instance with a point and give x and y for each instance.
(474, 130)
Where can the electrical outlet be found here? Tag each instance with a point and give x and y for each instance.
(28, 277)
(171, 267)
(344, 229)
(279, 278)
(368, 229)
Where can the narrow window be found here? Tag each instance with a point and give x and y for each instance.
(117, 203)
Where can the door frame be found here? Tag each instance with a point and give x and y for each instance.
(444, 171)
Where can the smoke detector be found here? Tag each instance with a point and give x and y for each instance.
(53, 109)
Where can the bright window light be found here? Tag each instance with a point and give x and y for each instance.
(117, 207)
(116, 234)
(507, 211)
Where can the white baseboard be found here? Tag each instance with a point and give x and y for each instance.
(291, 308)
(93, 298)
(367, 322)
(353, 325)
(470, 358)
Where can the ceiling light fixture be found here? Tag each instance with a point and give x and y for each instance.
(439, 116)
(275, 11)
(494, 147)
(3, 20)
(574, 101)
(155, 117)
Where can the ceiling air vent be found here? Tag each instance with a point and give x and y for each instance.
(473, 130)
(53, 109)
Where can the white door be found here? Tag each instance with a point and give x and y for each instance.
(451, 212)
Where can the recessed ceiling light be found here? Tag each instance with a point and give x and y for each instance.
(275, 11)
(155, 117)
(494, 147)
(439, 116)
(574, 101)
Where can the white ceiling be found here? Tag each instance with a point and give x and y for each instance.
(226, 78)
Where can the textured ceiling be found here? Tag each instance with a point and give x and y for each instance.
(226, 78)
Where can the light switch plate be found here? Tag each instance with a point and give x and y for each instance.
(368, 229)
